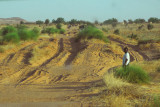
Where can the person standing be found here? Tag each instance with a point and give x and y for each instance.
(126, 57)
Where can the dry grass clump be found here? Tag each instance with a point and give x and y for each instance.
(123, 94)
(148, 45)
(150, 66)
(114, 83)
(115, 48)
(39, 54)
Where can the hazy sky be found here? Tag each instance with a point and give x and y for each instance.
(91, 10)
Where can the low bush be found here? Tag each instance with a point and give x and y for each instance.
(53, 31)
(133, 74)
(8, 29)
(12, 37)
(24, 34)
(117, 32)
(61, 31)
(35, 33)
(134, 36)
(150, 26)
(15, 34)
(91, 32)
(19, 27)
(140, 27)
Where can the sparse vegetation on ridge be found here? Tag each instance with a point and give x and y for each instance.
(91, 32)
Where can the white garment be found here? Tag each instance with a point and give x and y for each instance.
(126, 56)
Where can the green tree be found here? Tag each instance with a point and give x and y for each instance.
(60, 20)
(39, 22)
(139, 21)
(110, 21)
(73, 22)
(53, 21)
(153, 20)
(47, 22)
(130, 21)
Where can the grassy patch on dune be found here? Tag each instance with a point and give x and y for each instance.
(91, 32)
(15, 34)
(133, 74)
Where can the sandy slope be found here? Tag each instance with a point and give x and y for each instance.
(64, 74)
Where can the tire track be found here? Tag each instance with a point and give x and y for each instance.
(61, 48)
(76, 48)
(133, 47)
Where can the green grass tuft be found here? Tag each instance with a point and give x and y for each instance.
(133, 74)
(156, 101)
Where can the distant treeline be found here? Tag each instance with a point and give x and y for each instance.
(112, 21)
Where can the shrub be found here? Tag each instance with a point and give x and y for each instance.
(20, 27)
(36, 30)
(53, 31)
(91, 32)
(24, 34)
(34, 34)
(12, 37)
(8, 29)
(134, 36)
(58, 26)
(140, 27)
(61, 31)
(47, 21)
(133, 74)
(150, 26)
(117, 32)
